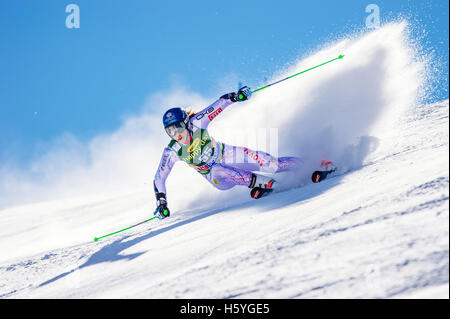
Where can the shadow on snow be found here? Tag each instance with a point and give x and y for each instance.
(111, 252)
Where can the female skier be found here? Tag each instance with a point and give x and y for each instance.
(224, 166)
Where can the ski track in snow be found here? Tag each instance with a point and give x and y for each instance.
(380, 231)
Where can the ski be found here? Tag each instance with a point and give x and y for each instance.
(258, 192)
(327, 169)
(319, 176)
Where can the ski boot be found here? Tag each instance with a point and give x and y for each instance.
(327, 168)
(261, 186)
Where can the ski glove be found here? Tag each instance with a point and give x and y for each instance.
(162, 211)
(243, 94)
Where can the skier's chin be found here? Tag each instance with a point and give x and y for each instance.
(180, 139)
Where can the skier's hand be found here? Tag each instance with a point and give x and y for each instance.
(243, 94)
(162, 211)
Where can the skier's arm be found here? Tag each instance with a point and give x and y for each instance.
(168, 159)
(205, 116)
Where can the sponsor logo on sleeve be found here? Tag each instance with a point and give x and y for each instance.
(214, 114)
(207, 111)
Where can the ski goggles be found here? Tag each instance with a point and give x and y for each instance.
(177, 127)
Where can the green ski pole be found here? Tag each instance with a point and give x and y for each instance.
(291, 76)
(116, 232)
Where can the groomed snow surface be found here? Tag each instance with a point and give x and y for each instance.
(378, 231)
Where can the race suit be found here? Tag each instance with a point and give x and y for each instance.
(224, 166)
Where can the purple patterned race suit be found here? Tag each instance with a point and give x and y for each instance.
(224, 166)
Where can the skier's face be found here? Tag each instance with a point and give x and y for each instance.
(179, 132)
(182, 137)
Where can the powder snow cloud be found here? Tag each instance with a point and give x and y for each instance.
(338, 112)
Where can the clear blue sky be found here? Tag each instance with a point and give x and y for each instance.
(54, 79)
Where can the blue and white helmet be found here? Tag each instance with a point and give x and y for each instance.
(174, 115)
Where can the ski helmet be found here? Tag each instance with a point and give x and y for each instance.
(174, 115)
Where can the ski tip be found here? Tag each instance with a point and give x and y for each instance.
(341, 56)
(95, 239)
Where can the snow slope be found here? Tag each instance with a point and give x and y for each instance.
(380, 231)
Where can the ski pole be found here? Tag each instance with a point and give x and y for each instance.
(291, 76)
(97, 238)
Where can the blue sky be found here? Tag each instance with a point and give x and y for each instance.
(83, 81)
